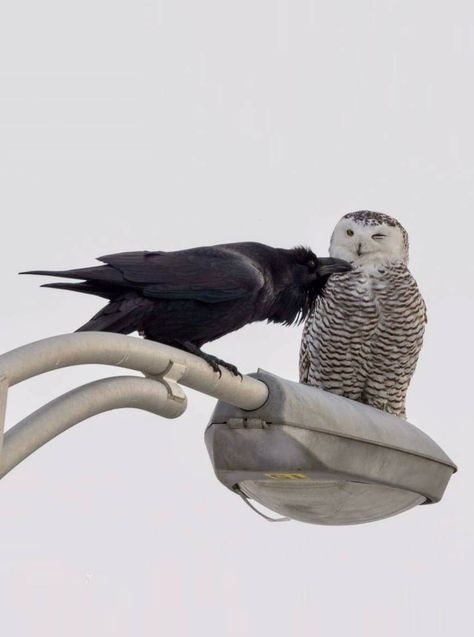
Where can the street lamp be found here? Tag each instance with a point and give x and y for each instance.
(320, 458)
(304, 453)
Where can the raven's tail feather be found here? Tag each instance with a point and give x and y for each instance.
(86, 287)
(99, 273)
(101, 281)
(126, 308)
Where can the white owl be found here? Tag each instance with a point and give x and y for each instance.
(363, 338)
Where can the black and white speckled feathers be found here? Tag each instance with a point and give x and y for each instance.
(363, 338)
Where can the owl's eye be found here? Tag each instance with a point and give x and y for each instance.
(350, 232)
(311, 264)
(378, 236)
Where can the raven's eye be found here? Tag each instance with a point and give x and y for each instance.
(350, 232)
(311, 264)
(378, 236)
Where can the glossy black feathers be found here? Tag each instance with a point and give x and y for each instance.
(189, 297)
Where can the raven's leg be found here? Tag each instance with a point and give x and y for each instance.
(213, 361)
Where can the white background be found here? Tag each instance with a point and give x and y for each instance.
(133, 124)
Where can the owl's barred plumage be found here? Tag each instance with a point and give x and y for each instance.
(363, 338)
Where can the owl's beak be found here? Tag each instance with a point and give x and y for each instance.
(328, 265)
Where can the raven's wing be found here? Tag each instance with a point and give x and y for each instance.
(208, 274)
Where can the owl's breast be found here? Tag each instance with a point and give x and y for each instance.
(354, 293)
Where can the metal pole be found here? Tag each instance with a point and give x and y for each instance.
(161, 393)
(82, 403)
(3, 405)
(153, 359)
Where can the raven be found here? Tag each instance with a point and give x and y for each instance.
(190, 297)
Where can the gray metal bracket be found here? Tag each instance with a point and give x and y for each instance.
(169, 378)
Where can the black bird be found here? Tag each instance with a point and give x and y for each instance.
(190, 297)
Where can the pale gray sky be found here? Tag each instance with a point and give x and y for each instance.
(152, 124)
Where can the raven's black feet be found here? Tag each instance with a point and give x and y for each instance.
(213, 361)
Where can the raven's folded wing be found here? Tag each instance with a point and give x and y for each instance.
(211, 274)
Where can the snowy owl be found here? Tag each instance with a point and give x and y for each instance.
(364, 335)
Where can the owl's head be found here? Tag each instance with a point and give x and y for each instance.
(367, 238)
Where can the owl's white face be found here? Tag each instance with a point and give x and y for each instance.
(367, 243)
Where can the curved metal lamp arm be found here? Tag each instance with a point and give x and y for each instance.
(79, 404)
(148, 357)
(160, 393)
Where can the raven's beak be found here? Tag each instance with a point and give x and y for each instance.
(329, 265)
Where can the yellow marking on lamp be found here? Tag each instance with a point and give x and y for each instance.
(287, 476)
